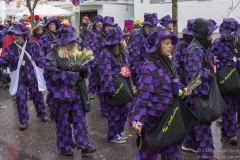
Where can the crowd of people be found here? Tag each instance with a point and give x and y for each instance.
(139, 73)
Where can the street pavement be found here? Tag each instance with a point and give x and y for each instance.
(38, 142)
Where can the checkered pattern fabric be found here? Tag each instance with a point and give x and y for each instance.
(167, 19)
(224, 52)
(168, 153)
(180, 55)
(116, 120)
(108, 68)
(228, 27)
(222, 49)
(229, 124)
(50, 20)
(189, 29)
(66, 107)
(19, 29)
(137, 48)
(21, 101)
(154, 93)
(2, 38)
(66, 35)
(45, 43)
(150, 19)
(194, 62)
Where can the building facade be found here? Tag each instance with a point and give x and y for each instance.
(119, 9)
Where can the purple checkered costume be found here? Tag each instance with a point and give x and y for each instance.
(109, 67)
(152, 96)
(138, 46)
(93, 41)
(66, 104)
(47, 39)
(201, 136)
(27, 79)
(154, 93)
(224, 51)
(2, 38)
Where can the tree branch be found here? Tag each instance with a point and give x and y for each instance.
(23, 3)
(35, 4)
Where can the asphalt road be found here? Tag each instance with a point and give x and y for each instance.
(38, 142)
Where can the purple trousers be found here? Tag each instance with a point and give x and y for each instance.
(117, 116)
(21, 101)
(168, 153)
(229, 119)
(66, 114)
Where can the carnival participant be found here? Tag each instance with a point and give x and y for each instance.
(181, 49)
(93, 41)
(138, 46)
(2, 37)
(63, 79)
(45, 41)
(108, 23)
(111, 60)
(168, 22)
(224, 54)
(197, 60)
(37, 32)
(155, 91)
(83, 31)
(27, 79)
(136, 28)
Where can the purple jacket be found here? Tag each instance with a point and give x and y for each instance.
(11, 57)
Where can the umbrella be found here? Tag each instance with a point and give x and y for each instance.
(46, 10)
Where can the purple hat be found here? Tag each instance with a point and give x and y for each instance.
(19, 29)
(50, 20)
(228, 27)
(189, 29)
(66, 35)
(150, 19)
(157, 35)
(167, 19)
(115, 35)
(97, 18)
(1, 27)
(108, 20)
(212, 26)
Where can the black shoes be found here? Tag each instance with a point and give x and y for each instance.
(70, 153)
(88, 150)
(219, 121)
(23, 126)
(233, 140)
(45, 118)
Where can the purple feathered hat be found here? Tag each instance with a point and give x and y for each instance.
(228, 27)
(97, 18)
(50, 20)
(108, 20)
(1, 27)
(157, 35)
(66, 35)
(114, 36)
(212, 26)
(189, 29)
(150, 19)
(167, 19)
(18, 29)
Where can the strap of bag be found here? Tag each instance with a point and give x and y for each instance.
(23, 50)
(22, 54)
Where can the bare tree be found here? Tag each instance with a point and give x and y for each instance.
(31, 7)
(232, 7)
(175, 14)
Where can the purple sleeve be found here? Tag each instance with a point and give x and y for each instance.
(105, 70)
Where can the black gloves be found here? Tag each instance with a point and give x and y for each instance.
(78, 68)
